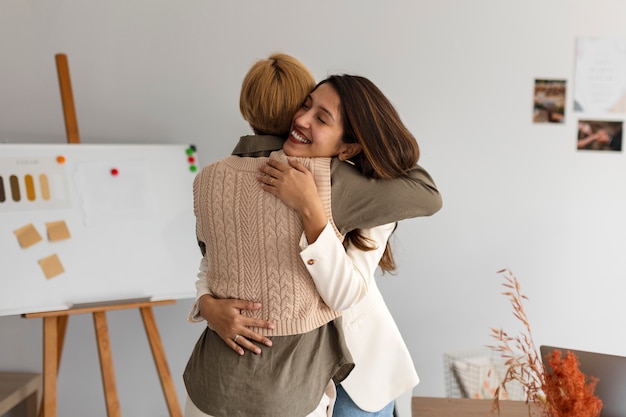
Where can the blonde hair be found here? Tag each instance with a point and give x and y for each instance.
(272, 91)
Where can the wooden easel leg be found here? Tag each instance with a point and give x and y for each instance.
(55, 335)
(106, 364)
(161, 363)
(61, 328)
(50, 366)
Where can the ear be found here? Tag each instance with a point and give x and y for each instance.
(348, 150)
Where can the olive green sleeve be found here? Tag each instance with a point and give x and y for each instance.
(360, 203)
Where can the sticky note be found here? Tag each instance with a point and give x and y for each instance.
(57, 231)
(27, 235)
(51, 266)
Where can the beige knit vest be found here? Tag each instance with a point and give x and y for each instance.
(252, 243)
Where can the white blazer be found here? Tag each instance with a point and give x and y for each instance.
(383, 369)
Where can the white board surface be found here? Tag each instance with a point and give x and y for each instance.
(82, 223)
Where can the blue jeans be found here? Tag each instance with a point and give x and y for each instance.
(345, 407)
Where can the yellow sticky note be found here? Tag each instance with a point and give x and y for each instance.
(51, 266)
(57, 231)
(27, 235)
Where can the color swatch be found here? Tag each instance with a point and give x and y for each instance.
(33, 184)
(26, 187)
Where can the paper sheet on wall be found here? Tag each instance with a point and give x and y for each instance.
(600, 75)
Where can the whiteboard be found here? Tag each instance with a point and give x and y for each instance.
(82, 223)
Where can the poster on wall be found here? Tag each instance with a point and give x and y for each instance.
(549, 101)
(599, 135)
(600, 75)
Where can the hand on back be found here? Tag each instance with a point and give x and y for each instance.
(225, 318)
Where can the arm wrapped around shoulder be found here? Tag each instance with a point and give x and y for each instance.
(359, 202)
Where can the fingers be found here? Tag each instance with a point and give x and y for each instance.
(268, 174)
(275, 172)
(245, 305)
(267, 183)
(294, 163)
(234, 346)
(246, 342)
(245, 339)
(244, 335)
(254, 322)
(246, 324)
(277, 165)
(273, 168)
(225, 317)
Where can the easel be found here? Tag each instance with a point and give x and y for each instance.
(55, 322)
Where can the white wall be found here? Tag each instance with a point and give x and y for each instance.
(461, 74)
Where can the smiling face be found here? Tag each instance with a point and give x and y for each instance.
(317, 127)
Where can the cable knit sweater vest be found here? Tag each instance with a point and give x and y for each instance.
(252, 243)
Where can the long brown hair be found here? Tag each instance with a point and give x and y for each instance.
(389, 149)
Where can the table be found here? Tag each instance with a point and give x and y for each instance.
(18, 387)
(465, 407)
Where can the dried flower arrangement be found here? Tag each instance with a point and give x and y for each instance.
(563, 392)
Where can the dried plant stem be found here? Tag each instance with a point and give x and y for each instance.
(520, 354)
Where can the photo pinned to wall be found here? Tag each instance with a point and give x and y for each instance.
(549, 101)
(600, 75)
(600, 135)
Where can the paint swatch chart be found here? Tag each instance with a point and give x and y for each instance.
(33, 183)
